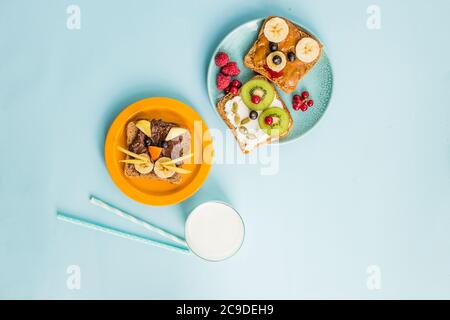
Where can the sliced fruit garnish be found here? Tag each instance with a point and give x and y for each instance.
(133, 161)
(261, 88)
(132, 154)
(162, 171)
(276, 61)
(176, 169)
(175, 132)
(179, 159)
(276, 30)
(145, 167)
(307, 50)
(274, 121)
(145, 126)
(155, 152)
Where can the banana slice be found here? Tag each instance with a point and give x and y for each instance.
(145, 126)
(162, 171)
(307, 50)
(176, 169)
(146, 167)
(276, 30)
(276, 61)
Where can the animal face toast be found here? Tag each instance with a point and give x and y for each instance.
(257, 115)
(283, 53)
(155, 150)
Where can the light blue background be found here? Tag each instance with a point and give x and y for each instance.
(370, 185)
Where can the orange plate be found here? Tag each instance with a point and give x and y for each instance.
(154, 192)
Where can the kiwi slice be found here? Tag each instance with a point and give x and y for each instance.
(259, 87)
(280, 121)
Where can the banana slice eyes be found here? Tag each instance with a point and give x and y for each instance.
(307, 50)
(276, 61)
(146, 166)
(161, 171)
(276, 30)
(164, 168)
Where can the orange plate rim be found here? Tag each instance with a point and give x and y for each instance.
(116, 171)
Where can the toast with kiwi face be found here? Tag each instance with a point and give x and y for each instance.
(283, 53)
(158, 141)
(247, 115)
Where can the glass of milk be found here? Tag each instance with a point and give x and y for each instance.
(214, 231)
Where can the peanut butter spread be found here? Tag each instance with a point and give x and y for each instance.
(288, 78)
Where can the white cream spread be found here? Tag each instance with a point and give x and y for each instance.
(252, 126)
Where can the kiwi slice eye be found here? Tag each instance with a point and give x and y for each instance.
(257, 87)
(280, 124)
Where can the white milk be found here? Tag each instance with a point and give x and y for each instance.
(214, 231)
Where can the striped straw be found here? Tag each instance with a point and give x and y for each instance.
(118, 233)
(136, 220)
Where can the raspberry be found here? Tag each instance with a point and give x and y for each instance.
(222, 81)
(231, 69)
(221, 59)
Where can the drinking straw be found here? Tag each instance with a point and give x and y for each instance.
(119, 233)
(136, 220)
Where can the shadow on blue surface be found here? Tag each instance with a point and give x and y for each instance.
(210, 191)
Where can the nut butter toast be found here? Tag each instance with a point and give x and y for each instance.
(286, 57)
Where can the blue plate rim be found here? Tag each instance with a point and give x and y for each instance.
(211, 67)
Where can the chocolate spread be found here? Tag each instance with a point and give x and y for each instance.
(138, 144)
(160, 129)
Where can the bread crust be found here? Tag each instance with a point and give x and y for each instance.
(130, 171)
(220, 106)
(260, 48)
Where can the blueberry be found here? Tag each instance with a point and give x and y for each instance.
(164, 144)
(148, 142)
(291, 56)
(273, 46)
(276, 59)
(253, 115)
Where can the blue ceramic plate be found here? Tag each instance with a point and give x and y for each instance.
(319, 81)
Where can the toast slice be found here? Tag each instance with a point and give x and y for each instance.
(245, 145)
(175, 148)
(294, 71)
